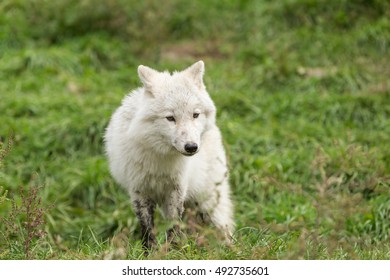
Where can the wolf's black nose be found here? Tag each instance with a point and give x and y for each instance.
(191, 147)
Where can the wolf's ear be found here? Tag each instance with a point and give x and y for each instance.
(196, 71)
(146, 74)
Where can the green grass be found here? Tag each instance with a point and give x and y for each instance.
(303, 95)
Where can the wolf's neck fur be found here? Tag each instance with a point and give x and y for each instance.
(159, 163)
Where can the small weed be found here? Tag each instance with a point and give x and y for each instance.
(23, 221)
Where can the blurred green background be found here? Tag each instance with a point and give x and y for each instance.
(303, 95)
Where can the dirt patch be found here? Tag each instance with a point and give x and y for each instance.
(316, 72)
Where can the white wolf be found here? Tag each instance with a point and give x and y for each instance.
(164, 147)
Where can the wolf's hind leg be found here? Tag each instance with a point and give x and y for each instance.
(220, 211)
(221, 217)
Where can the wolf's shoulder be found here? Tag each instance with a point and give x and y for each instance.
(130, 104)
(133, 99)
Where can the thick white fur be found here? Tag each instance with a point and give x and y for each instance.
(146, 151)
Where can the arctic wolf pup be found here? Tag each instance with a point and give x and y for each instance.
(165, 149)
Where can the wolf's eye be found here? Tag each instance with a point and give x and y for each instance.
(170, 118)
(195, 115)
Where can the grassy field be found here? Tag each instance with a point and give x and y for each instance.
(303, 95)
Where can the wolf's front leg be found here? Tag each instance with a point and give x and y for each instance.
(144, 209)
(173, 211)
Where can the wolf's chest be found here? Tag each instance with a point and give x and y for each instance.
(158, 186)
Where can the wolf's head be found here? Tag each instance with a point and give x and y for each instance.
(176, 109)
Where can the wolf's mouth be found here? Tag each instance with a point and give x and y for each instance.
(188, 154)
